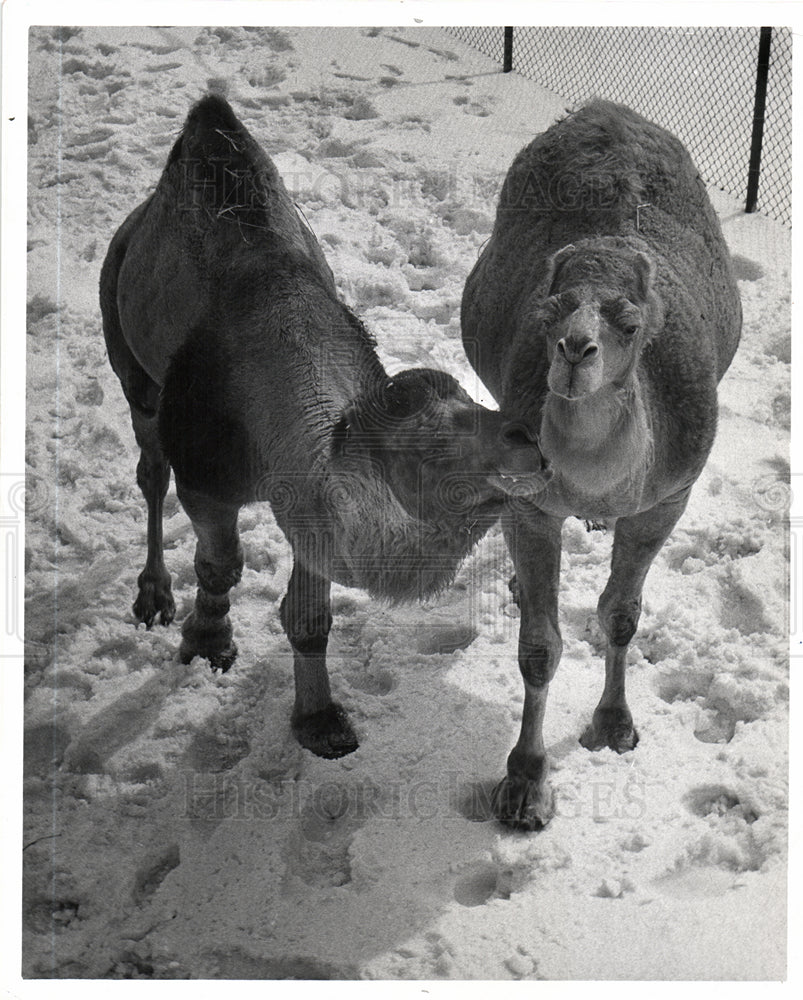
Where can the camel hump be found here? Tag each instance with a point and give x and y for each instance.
(225, 186)
(600, 162)
(218, 170)
(212, 112)
(212, 131)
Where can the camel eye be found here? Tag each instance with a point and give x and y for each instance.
(623, 315)
(552, 308)
(405, 399)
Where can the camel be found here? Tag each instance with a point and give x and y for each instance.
(247, 375)
(601, 315)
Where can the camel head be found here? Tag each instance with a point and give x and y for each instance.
(439, 450)
(597, 316)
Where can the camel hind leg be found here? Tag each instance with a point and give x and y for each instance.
(637, 541)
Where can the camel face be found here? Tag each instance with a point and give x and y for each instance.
(487, 457)
(439, 451)
(592, 341)
(599, 306)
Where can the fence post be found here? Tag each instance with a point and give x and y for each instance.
(507, 63)
(762, 72)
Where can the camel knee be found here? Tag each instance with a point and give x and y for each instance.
(219, 577)
(538, 661)
(153, 475)
(619, 621)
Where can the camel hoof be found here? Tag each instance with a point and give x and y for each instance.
(154, 598)
(327, 733)
(221, 659)
(210, 640)
(613, 728)
(523, 803)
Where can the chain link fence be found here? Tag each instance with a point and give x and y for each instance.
(699, 83)
(775, 185)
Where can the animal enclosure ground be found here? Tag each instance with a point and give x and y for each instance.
(176, 830)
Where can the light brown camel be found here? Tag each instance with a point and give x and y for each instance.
(245, 373)
(601, 314)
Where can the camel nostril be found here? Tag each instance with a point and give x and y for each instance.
(574, 350)
(517, 436)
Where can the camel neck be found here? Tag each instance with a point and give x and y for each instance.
(600, 441)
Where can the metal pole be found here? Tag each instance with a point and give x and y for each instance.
(762, 72)
(507, 64)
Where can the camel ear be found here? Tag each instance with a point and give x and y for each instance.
(555, 263)
(645, 272)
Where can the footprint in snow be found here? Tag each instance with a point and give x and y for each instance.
(717, 801)
(153, 871)
(714, 864)
(481, 883)
(318, 847)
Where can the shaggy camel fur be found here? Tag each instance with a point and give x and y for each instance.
(601, 314)
(245, 373)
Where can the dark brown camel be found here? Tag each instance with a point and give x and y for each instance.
(601, 314)
(245, 373)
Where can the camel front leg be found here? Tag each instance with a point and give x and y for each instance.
(207, 632)
(524, 798)
(637, 541)
(154, 595)
(319, 723)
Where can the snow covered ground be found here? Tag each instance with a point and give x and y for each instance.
(173, 828)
